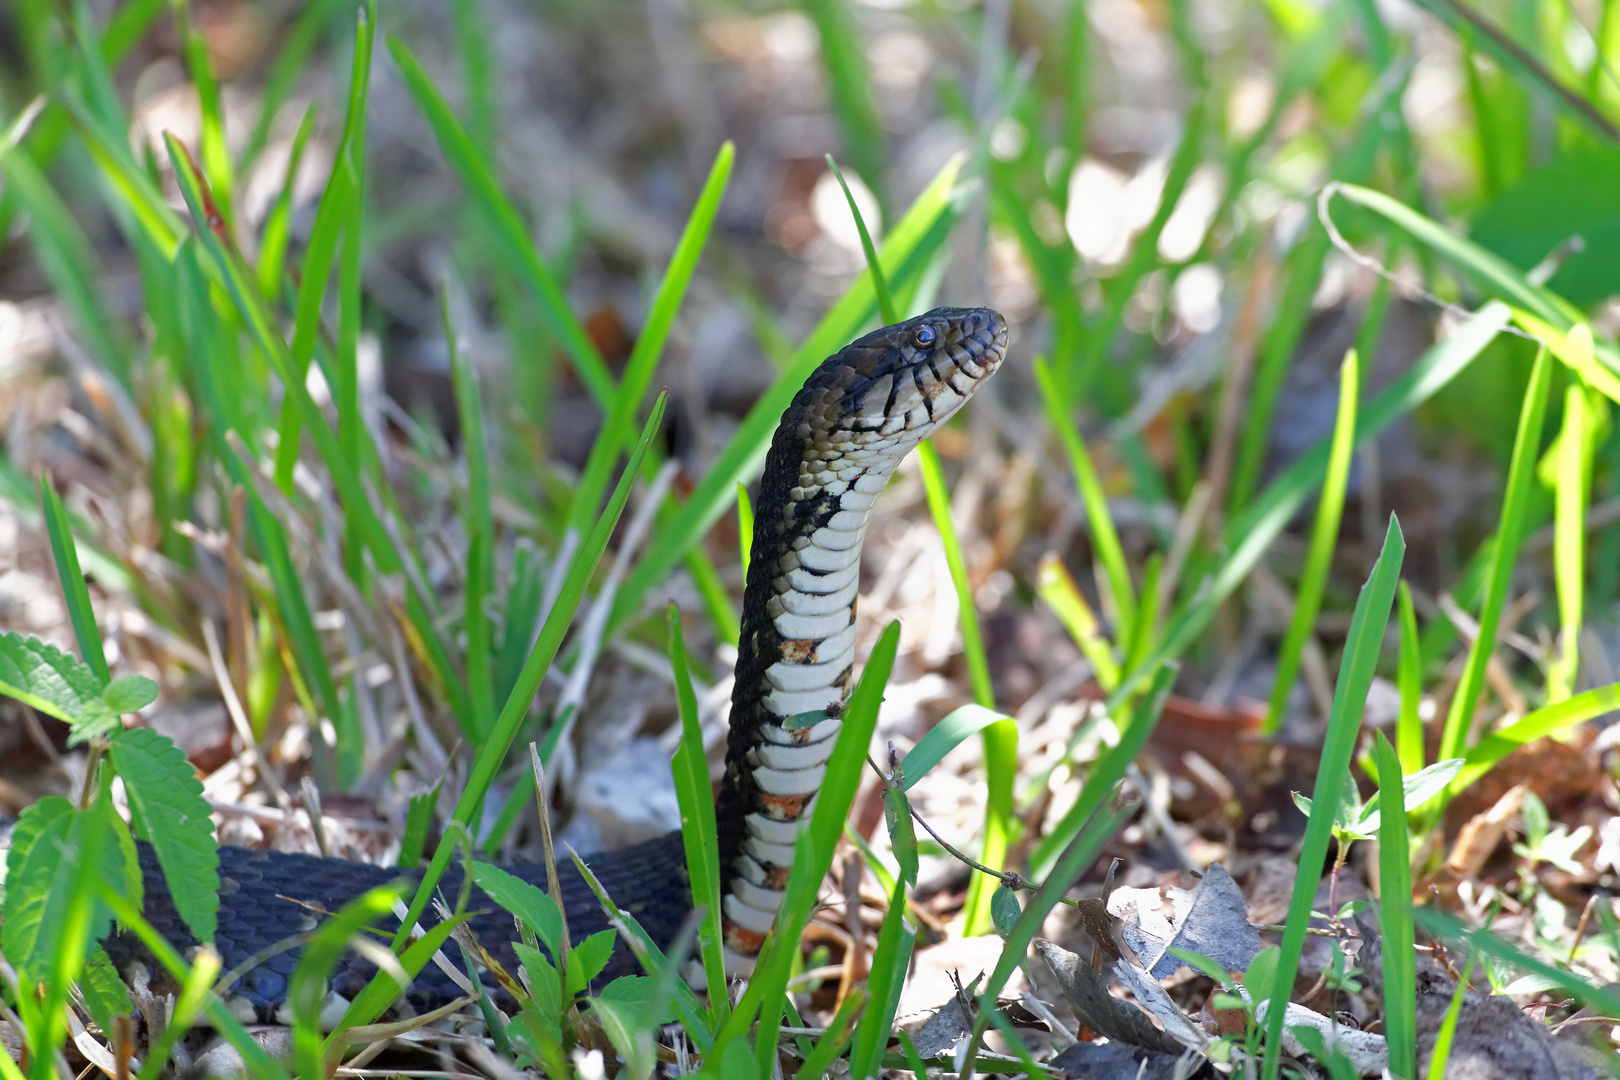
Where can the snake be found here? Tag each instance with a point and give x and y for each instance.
(839, 441)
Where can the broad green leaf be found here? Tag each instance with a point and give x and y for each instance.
(166, 799)
(105, 994)
(36, 874)
(587, 959)
(537, 910)
(1261, 977)
(58, 685)
(1004, 909)
(1573, 197)
(621, 1023)
(130, 693)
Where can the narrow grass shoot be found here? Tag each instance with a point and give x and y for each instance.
(74, 590)
(1364, 643)
(1324, 538)
(1409, 724)
(480, 528)
(1395, 917)
(1250, 534)
(1054, 586)
(1509, 532)
(699, 831)
(1104, 536)
(618, 430)
(1572, 486)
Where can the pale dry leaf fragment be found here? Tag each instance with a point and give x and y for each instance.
(1479, 837)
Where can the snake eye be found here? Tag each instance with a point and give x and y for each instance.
(923, 336)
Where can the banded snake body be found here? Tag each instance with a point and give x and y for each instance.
(838, 443)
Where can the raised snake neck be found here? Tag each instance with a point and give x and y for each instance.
(839, 442)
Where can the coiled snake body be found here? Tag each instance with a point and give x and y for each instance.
(838, 443)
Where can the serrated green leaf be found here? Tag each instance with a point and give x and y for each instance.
(35, 872)
(129, 693)
(537, 910)
(39, 674)
(587, 959)
(105, 994)
(544, 982)
(166, 799)
(620, 1022)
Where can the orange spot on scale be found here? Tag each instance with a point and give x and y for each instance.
(740, 939)
(776, 877)
(799, 650)
(783, 807)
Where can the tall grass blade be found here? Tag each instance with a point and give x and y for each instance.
(1363, 645)
(1324, 537)
(1104, 537)
(699, 831)
(1510, 531)
(1395, 918)
(74, 591)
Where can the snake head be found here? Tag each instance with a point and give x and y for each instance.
(901, 382)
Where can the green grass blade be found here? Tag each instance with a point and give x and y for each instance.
(1545, 721)
(1054, 585)
(285, 71)
(1409, 726)
(885, 302)
(74, 591)
(1364, 643)
(278, 222)
(1492, 272)
(890, 962)
(1104, 537)
(699, 832)
(623, 401)
(745, 526)
(1572, 486)
(1395, 918)
(1447, 928)
(843, 54)
(480, 528)
(1324, 537)
(1509, 532)
(506, 226)
(1440, 1056)
(1001, 740)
